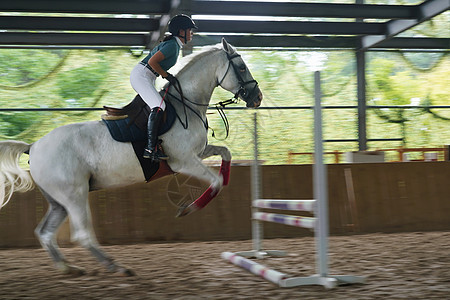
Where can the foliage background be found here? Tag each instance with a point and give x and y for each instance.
(93, 78)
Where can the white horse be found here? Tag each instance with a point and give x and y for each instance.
(74, 159)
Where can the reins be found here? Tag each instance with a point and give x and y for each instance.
(183, 101)
(219, 105)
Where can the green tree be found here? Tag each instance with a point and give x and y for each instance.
(392, 86)
(78, 85)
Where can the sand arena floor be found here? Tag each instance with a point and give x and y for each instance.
(397, 266)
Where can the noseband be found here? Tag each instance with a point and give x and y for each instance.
(242, 91)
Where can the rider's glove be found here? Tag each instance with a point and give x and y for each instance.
(170, 78)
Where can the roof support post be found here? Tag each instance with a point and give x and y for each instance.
(185, 7)
(362, 104)
(155, 36)
(361, 93)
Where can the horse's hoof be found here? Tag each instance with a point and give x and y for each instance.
(125, 272)
(184, 211)
(118, 269)
(75, 271)
(70, 270)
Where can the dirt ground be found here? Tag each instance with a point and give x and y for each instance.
(396, 266)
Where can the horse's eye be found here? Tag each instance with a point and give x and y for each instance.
(242, 69)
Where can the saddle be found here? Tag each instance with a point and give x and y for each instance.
(129, 124)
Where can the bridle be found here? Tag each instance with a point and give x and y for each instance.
(242, 91)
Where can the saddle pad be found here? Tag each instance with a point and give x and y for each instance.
(122, 131)
(169, 118)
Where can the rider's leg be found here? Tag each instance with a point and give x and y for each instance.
(143, 82)
(153, 151)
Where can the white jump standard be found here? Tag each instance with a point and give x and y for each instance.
(319, 223)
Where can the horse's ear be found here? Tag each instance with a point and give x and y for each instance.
(227, 46)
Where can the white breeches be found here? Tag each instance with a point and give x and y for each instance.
(143, 82)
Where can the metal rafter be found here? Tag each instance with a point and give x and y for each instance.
(327, 42)
(290, 33)
(424, 12)
(22, 39)
(88, 6)
(78, 24)
(74, 39)
(298, 9)
(288, 27)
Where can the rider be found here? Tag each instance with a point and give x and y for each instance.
(143, 77)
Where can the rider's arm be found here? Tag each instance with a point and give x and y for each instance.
(154, 63)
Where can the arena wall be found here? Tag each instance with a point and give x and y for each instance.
(363, 198)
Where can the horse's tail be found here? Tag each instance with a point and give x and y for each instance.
(12, 177)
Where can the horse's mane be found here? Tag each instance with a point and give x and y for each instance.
(187, 61)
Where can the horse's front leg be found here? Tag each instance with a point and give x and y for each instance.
(211, 150)
(196, 168)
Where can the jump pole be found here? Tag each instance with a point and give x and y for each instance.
(319, 205)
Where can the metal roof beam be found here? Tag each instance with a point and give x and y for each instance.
(424, 12)
(289, 27)
(31, 40)
(92, 7)
(78, 24)
(88, 39)
(246, 41)
(296, 9)
(326, 42)
(414, 43)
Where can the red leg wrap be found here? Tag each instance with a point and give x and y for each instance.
(225, 171)
(209, 194)
(205, 198)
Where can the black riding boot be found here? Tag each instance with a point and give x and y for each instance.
(153, 150)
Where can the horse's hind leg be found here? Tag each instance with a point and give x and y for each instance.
(46, 233)
(77, 207)
(83, 233)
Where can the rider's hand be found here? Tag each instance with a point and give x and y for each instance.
(170, 78)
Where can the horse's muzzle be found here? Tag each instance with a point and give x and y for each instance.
(256, 102)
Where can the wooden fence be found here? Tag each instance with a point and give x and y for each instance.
(363, 198)
(441, 154)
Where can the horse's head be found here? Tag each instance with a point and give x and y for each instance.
(236, 78)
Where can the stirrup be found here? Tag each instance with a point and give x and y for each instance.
(149, 154)
(156, 155)
(161, 156)
(159, 151)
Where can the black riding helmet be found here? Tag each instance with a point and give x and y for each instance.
(180, 22)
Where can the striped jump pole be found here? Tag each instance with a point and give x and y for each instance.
(300, 205)
(252, 266)
(319, 223)
(297, 221)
